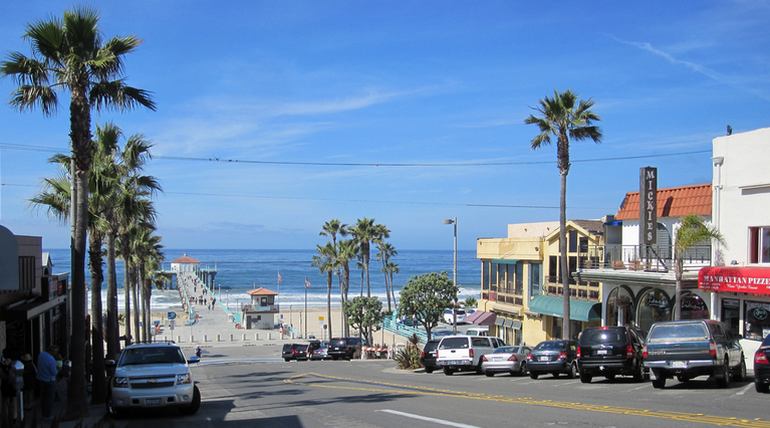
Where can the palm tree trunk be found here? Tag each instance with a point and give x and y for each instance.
(392, 291)
(342, 300)
(678, 291)
(99, 387)
(127, 292)
(329, 302)
(347, 289)
(137, 302)
(113, 331)
(368, 284)
(565, 328)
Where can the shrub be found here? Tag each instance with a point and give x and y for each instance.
(408, 358)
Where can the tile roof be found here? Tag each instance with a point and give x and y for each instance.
(186, 259)
(262, 291)
(672, 202)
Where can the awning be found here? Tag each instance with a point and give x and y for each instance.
(579, 310)
(753, 280)
(505, 261)
(482, 318)
(499, 321)
(27, 310)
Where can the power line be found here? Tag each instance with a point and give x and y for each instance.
(378, 164)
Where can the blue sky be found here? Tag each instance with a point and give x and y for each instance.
(398, 82)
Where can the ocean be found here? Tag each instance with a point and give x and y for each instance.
(239, 271)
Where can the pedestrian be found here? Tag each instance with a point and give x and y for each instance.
(47, 372)
(7, 390)
(30, 388)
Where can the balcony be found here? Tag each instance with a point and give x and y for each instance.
(503, 295)
(637, 258)
(247, 307)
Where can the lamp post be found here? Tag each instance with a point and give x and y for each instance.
(453, 222)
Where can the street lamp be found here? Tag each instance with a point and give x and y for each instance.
(453, 222)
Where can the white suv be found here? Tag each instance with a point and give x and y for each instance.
(459, 314)
(456, 353)
(152, 375)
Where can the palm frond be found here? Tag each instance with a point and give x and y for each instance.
(116, 94)
(26, 97)
(81, 32)
(25, 70)
(47, 39)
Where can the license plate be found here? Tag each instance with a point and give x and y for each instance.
(152, 401)
(602, 352)
(543, 359)
(679, 364)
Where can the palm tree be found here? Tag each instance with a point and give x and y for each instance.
(692, 231)
(391, 269)
(564, 118)
(346, 251)
(364, 232)
(332, 228)
(385, 251)
(70, 55)
(325, 262)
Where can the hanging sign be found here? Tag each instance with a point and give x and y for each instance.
(648, 205)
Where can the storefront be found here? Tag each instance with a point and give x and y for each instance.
(743, 297)
(508, 328)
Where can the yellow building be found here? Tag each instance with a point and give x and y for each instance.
(521, 282)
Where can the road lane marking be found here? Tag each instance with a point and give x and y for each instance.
(392, 388)
(567, 383)
(425, 418)
(639, 387)
(743, 391)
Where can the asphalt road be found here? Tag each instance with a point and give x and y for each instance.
(253, 387)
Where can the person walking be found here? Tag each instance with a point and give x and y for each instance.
(7, 391)
(30, 390)
(46, 375)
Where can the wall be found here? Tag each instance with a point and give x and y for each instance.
(746, 157)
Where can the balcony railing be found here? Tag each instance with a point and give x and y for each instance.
(638, 258)
(247, 307)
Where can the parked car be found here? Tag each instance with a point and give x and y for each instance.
(458, 353)
(449, 318)
(506, 359)
(762, 366)
(345, 347)
(151, 375)
(610, 351)
(428, 356)
(320, 351)
(477, 331)
(554, 357)
(294, 351)
(440, 333)
(687, 349)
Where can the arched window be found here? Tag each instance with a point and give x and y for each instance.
(654, 305)
(620, 306)
(694, 307)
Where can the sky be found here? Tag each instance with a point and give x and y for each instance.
(397, 82)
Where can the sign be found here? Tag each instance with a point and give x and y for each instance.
(171, 315)
(648, 205)
(752, 280)
(171, 325)
(320, 318)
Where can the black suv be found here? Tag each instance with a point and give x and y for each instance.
(553, 356)
(762, 366)
(428, 356)
(609, 351)
(345, 347)
(294, 351)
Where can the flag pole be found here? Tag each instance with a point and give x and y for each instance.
(305, 307)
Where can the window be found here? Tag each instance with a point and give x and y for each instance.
(572, 268)
(553, 269)
(573, 241)
(693, 307)
(535, 270)
(759, 245)
(757, 320)
(26, 273)
(619, 305)
(480, 341)
(731, 315)
(519, 290)
(485, 274)
(583, 244)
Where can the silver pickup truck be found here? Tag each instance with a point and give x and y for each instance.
(687, 349)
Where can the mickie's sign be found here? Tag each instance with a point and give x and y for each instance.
(648, 205)
(753, 280)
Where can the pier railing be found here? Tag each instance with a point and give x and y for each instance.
(392, 325)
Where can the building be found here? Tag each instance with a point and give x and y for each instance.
(739, 283)
(262, 312)
(638, 281)
(33, 301)
(521, 280)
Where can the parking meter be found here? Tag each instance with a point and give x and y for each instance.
(17, 373)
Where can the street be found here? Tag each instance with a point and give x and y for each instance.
(252, 386)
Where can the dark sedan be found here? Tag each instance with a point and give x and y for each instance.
(762, 366)
(554, 357)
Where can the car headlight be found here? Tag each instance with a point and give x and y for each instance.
(120, 382)
(183, 379)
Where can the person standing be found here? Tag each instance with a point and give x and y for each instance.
(46, 376)
(30, 390)
(7, 390)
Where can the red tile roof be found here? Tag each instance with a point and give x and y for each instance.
(186, 259)
(261, 291)
(672, 202)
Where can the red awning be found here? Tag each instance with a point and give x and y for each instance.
(481, 318)
(753, 280)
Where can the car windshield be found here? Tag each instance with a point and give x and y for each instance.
(156, 355)
(550, 346)
(693, 331)
(339, 342)
(611, 335)
(454, 343)
(505, 350)
(287, 347)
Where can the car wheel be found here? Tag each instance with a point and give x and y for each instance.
(585, 378)
(287, 359)
(555, 374)
(448, 371)
(761, 387)
(683, 378)
(659, 383)
(572, 371)
(195, 405)
(489, 374)
(533, 375)
(522, 369)
(610, 376)
(740, 371)
(723, 378)
(428, 371)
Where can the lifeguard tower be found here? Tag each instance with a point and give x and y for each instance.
(262, 312)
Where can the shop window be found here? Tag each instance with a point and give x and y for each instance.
(493, 276)
(556, 324)
(731, 315)
(759, 245)
(572, 268)
(553, 269)
(583, 244)
(757, 320)
(534, 279)
(519, 290)
(694, 307)
(619, 307)
(654, 305)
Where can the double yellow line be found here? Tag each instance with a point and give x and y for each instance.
(393, 388)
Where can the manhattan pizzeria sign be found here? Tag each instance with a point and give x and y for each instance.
(752, 280)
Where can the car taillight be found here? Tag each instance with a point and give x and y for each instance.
(629, 351)
(435, 354)
(513, 358)
(645, 354)
(484, 358)
(760, 358)
(579, 352)
(713, 349)
(530, 357)
(470, 353)
(562, 355)
(422, 354)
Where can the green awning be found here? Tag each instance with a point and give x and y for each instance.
(505, 261)
(579, 310)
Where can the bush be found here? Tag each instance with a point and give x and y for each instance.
(408, 358)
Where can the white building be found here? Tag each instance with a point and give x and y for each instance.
(184, 264)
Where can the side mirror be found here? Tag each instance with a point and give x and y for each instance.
(109, 363)
(194, 359)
